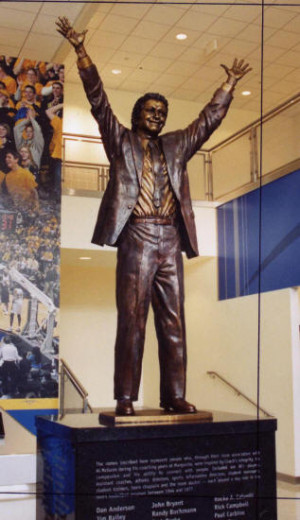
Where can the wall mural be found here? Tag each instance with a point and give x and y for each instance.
(31, 110)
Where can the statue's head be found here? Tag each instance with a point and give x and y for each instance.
(149, 113)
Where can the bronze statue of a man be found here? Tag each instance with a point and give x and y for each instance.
(146, 212)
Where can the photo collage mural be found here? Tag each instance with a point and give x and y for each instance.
(31, 111)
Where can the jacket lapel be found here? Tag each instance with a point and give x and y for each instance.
(137, 152)
(169, 153)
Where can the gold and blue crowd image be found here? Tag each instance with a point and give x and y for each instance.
(31, 111)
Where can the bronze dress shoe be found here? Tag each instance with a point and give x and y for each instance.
(179, 406)
(124, 407)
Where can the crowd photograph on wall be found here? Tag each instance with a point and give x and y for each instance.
(31, 111)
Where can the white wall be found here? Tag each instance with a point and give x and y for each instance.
(88, 324)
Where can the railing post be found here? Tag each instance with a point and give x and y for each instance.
(62, 391)
(99, 179)
(63, 160)
(208, 176)
(253, 155)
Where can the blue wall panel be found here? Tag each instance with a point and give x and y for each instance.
(268, 218)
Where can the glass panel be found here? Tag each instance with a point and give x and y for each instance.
(90, 152)
(281, 139)
(72, 401)
(280, 242)
(232, 166)
(197, 177)
(81, 177)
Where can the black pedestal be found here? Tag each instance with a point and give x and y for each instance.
(224, 469)
(2, 433)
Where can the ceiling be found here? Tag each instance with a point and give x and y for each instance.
(139, 38)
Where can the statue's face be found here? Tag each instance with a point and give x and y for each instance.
(152, 118)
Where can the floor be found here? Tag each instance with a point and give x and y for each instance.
(17, 502)
(288, 504)
(22, 505)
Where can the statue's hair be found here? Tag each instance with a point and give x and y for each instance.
(140, 103)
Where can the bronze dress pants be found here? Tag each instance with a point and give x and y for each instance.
(150, 269)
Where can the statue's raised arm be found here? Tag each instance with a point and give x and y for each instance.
(75, 38)
(237, 71)
(109, 125)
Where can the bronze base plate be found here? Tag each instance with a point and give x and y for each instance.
(148, 417)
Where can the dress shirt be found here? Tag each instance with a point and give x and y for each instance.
(156, 197)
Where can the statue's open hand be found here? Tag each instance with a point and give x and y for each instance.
(238, 70)
(65, 28)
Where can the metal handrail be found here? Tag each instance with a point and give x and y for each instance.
(238, 392)
(208, 153)
(255, 124)
(101, 169)
(65, 371)
(246, 129)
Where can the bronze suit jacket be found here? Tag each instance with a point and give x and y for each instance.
(125, 153)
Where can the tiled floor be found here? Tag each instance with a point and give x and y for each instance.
(23, 507)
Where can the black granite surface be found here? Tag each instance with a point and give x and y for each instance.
(86, 427)
(2, 432)
(224, 469)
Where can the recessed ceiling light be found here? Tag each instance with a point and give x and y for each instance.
(116, 71)
(246, 93)
(85, 258)
(181, 36)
